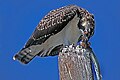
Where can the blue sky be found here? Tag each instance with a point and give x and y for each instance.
(18, 19)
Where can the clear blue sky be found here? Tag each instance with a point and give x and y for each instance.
(18, 18)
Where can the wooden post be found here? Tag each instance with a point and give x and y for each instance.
(75, 64)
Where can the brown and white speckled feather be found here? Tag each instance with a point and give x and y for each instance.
(59, 27)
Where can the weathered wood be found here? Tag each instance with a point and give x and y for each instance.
(75, 64)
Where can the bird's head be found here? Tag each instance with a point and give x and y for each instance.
(86, 24)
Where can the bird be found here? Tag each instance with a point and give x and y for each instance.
(60, 27)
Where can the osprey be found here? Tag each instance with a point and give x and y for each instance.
(64, 26)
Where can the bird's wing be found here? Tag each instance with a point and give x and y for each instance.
(51, 24)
